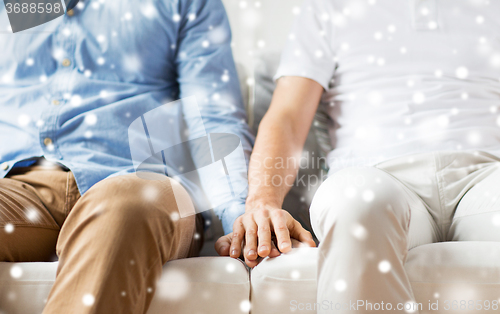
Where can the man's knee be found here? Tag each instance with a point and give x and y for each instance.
(135, 200)
(357, 196)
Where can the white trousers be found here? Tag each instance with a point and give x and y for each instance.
(368, 218)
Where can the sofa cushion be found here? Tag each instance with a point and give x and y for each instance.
(210, 285)
(449, 272)
(278, 284)
(24, 287)
(196, 285)
(453, 271)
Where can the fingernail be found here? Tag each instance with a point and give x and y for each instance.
(222, 248)
(251, 252)
(263, 248)
(284, 245)
(233, 252)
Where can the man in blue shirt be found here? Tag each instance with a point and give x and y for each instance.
(69, 90)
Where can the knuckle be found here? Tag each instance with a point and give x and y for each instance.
(251, 232)
(264, 212)
(281, 228)
(265, 228)
(279, 213)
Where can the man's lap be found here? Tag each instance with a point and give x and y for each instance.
(35, 204)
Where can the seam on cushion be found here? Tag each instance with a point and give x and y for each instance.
(461, 282)
(217, 282)
(287, 279)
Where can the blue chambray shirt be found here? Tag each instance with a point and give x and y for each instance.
(70, 88)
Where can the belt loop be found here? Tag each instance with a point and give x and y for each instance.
(424, 15)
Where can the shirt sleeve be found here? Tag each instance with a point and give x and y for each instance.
(308, 52)
(206, 70)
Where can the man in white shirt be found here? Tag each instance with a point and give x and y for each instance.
(413, 90)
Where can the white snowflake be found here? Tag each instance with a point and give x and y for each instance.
(295, 274)
(16, 271)
(76, 100)
(245, 306)
(181, 281)
(23, 120)
(32, 214)
(128, 16)
(462, 72)
(418, 98)
(359, 231)
(384, 266)
(230, 267)
(368, 196)
(88, 299)
(9, 228)
(340, 285)
(91, 119)
(150, 193)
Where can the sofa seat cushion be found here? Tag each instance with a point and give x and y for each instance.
(211, 285)
(466, 270)
(456, 273)
(281, 284)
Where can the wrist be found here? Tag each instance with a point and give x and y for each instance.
(253, 203)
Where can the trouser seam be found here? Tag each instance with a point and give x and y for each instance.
(22, 224)
(439, 181)
(66, 203)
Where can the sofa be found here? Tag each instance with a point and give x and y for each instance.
(439, 272)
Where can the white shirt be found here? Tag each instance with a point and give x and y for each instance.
(401, 76)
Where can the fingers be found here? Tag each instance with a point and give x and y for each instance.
(264, 233)
(223, 244)
(301, 234)
(250, 251)
(279, 220)
(274, 251)
(237, 238)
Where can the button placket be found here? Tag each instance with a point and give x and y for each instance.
(424, 14)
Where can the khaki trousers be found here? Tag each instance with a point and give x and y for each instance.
(368, 218)
(111, 242)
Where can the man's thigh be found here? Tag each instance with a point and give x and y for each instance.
(28, 231)
(130, 206)
(477, 216)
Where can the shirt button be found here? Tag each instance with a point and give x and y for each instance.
(47, 141)
(70, 12)
(4, 166)
(56, 102)
(66, 62)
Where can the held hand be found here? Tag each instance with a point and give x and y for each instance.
(223, 245)
(253, 231)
